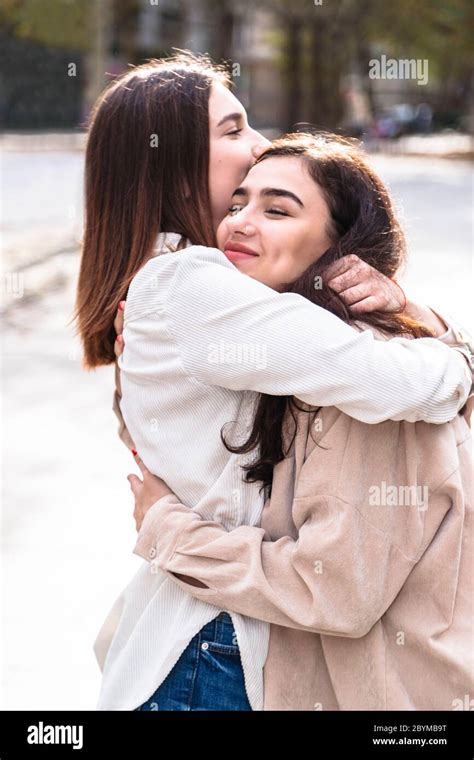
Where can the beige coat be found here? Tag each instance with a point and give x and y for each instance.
(363, 565)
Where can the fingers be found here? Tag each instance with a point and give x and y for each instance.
(367, 304)
(357, 273)
(357, 293)
(144, 471)
(118, 326)
(118, 321)
(135, 484)
(118, 345)
(403, 304)
(362, 287)
(342, 265)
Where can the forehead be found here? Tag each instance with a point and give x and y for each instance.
(278, 171)
(286, 173)
(222, 102)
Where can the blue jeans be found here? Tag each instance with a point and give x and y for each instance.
(207, 676)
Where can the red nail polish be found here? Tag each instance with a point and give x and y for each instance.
(134, 452)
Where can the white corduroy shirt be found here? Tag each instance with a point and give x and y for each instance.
(201, 341)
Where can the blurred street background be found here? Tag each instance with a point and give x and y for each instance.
(67, 526)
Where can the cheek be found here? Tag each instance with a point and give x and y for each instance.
(223, 176)
(215, 170)
(282, 247)
(232, 159)
(287, 255)
(220, 190)
(222, 234)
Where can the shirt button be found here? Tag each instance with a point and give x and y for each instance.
(152, 552)
(205, 645)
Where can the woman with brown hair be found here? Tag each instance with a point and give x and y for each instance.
(150, 152)
(362, 562)
(168, 144)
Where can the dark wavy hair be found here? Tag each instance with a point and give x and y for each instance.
(363, 222)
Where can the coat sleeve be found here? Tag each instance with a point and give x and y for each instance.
(338, 578)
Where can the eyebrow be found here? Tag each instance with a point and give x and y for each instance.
(270, 192)
(230, 117)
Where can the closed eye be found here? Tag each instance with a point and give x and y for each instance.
(277, 211)
(234, 209)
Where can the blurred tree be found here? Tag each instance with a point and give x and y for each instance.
(223, 17)
(441, 31)
(45, 50)
(55, 23)
(64, 25)
(124, 31)
(320, 42)
(317, 42)
(292, 16)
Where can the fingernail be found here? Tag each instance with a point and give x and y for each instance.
(121, 305)
(118, 339)
(134, 452)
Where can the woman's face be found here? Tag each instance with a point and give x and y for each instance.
(277, 224)
(234, 146)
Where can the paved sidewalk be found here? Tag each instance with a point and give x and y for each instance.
(446, 144)
(67, 512)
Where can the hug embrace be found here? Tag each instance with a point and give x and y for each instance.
(302, 428)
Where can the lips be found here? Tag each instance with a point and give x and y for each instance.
(238, 252)
(238, 257)
(232, 245)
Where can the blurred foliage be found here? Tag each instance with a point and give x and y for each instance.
(315, 44)
(320, 42)
(67, 24)
(438, 29)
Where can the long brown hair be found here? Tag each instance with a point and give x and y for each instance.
(363, 222)
(146, 171)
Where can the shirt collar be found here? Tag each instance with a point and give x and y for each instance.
(168, 242)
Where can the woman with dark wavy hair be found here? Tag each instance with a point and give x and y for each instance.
(362, 562)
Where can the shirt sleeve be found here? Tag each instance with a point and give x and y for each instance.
(235, 332)
(338, 578)
(122, 430)
(458, 337)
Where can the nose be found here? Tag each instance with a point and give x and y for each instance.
(240, 224)
(260, 144)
